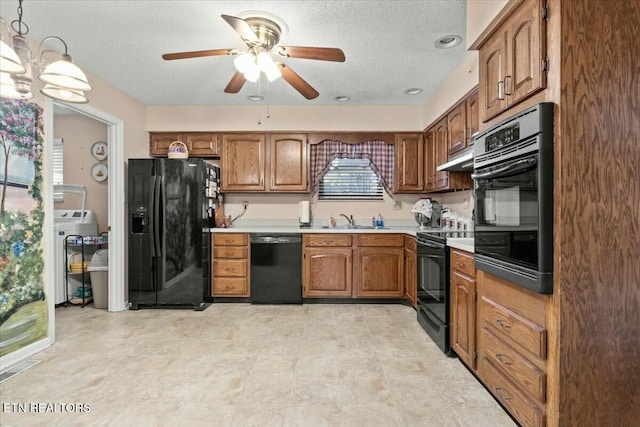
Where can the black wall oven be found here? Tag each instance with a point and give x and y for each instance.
(513, 182)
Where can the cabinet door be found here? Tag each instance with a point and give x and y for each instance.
(159, 142)
(463, 315)
(441, 137)
(243, 162)
(327, 272)
(409, 163)
(492, 70)
(379, 272)
(288, 155)
(430, 159)
(524, 75)
(201, 144)
(472, 116)
(410, 276)
(457, 139)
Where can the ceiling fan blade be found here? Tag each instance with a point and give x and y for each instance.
(320, 53)
(242, 27)
(297, 82)
(236, 83)
(198, 54)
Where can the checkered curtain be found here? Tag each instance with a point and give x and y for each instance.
(379, 153)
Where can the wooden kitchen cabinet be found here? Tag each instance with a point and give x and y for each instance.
(456, 126)
(327, 265)
(441, 152)
(472, 116)
(199, 144)
(409, 163)
(511, 347)
(230, 266)
(410, 269)
(512, 59)
(378, 266)
(288, 162)
(430, 159)
(463, 306)
(243, 162)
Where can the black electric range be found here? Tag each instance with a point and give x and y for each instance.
(433, 284)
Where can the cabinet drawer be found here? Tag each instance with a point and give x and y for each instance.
(463, 262)
(230, 286)
(241, 252)
(525, 333)
(524, 410)
(327, 240)
(379, 239)
(517, 368)
(235, 268)
(229, 239)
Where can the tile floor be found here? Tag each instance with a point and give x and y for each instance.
(245, 365)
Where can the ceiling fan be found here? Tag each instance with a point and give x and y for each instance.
(261, 31)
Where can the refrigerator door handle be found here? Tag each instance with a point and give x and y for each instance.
(156, 216)
(152, 217)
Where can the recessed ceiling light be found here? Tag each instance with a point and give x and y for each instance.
(255, 98)
(342, 98)
(447, 42)
(413, 91)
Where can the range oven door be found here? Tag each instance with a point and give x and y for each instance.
(433, 292)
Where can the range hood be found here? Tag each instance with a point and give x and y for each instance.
(462, 162)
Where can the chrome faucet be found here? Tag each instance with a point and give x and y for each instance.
(350, 219)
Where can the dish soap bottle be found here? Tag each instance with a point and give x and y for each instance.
(379, 222)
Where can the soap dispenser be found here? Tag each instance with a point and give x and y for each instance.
(379, 222)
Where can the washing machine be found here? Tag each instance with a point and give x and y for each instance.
(68, 222)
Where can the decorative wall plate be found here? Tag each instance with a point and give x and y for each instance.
(99, 150)
(99, 172)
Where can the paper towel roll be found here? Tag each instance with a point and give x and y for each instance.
(305, 214)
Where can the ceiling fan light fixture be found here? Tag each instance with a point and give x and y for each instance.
(244, 62)
(413, 91)
(252, 74)
(255, 98)
(266, 64)
(342, 98)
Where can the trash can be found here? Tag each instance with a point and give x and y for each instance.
(99, 271)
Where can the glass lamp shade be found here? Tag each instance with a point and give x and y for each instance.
(252, 74)
(9, 61)
(244, 62)
(266, 64)
(64, 94)
(65, 74)
(8, 88)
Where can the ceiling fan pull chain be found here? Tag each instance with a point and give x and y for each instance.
(268, 103)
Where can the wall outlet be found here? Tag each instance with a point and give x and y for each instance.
(397, 205)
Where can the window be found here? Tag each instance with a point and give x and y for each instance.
(350, 179)
(58, 167)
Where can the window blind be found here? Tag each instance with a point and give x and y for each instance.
(58, 167)
(350, 179)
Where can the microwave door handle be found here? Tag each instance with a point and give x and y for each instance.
(529, 163)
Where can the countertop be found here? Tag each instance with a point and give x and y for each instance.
(462, 243)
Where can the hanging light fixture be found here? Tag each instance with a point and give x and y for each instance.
(257, 60)
(64, 80)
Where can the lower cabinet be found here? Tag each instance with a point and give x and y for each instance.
(230, 266)
(463, 306)
(512, 347)
(410, 270)
(357, 266)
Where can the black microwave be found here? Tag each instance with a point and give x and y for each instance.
(513, 188)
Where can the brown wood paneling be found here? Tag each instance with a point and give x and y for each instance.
(379, 239)
(597, 198)
(230, 239)
(327, 240)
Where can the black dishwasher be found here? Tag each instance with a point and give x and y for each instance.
(276, 268)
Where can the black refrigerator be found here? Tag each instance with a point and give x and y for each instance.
(171, 207)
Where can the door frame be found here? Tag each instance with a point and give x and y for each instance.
(115, 201)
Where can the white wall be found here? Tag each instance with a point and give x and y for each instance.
(480, 13)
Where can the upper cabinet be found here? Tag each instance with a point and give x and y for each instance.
(288, 162)
(512, 59)
(457, 129)
(472, 116)
(199, 144)
(409, 163)
(249, 164)
(243, 162)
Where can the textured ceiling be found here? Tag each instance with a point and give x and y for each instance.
(389, 47)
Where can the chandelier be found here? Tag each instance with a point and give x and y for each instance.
(63, 80)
